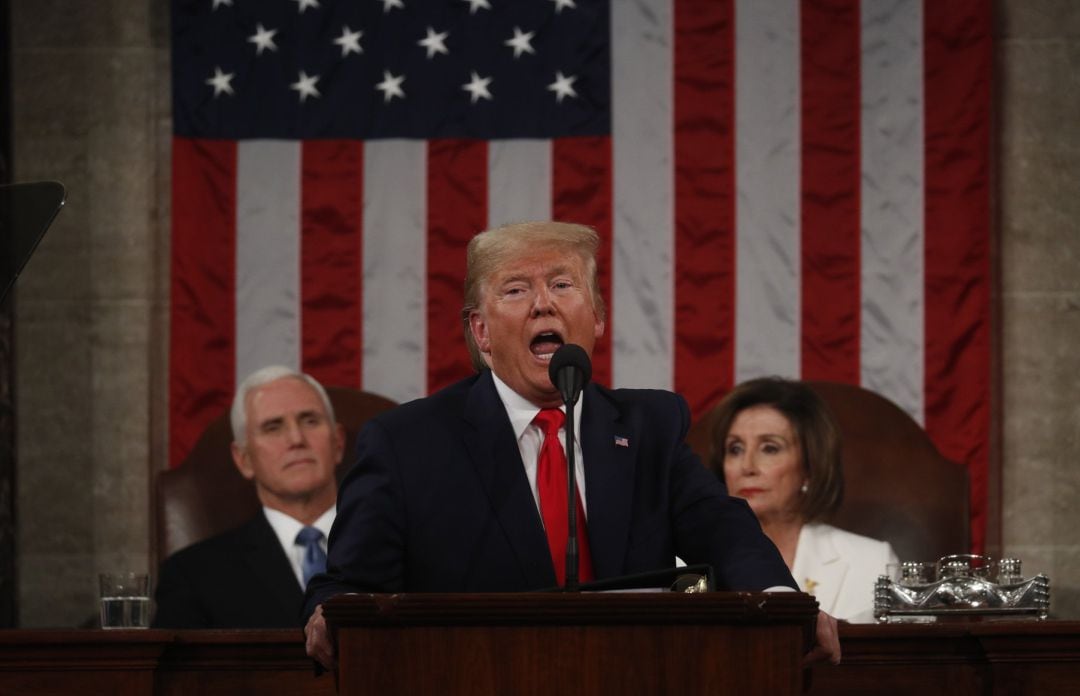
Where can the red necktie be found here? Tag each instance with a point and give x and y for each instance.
(551, 483)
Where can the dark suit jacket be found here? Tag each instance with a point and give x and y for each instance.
(239, 579)
(439, 502)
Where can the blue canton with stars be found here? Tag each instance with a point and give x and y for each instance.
(366, 69)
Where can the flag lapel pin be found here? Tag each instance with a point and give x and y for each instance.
(621, 441)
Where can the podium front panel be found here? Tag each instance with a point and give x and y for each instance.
(571, 643)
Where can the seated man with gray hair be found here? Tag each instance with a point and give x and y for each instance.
(286, 441)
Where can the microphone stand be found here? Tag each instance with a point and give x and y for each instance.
(570, 370)
(571, 584)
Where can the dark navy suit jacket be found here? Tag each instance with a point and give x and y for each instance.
(239, 579)
(438, 500)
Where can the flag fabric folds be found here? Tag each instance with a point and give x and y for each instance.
(786, 187)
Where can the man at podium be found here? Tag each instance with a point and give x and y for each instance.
(460, 491)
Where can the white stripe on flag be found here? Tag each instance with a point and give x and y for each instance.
(643, 195)
(267, 255)
(892, 202)
(767, 180)
(395, 255)
(519, 181)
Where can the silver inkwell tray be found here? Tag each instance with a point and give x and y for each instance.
(962, 586)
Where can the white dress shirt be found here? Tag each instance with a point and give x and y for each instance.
(530, 437)
(286, 528)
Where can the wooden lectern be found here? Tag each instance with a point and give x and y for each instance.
(573, 643)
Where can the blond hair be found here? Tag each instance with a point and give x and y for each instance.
(490, 249)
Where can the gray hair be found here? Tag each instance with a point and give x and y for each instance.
(491, 248)
(265, 375)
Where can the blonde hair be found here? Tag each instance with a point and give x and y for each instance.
(490, 249)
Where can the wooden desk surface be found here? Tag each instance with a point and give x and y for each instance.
(910, 659)
(90, 662)
(991, 657)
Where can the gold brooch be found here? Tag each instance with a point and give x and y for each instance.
(810, 585)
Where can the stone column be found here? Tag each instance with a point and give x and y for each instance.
(91, 109)
(1038, 95)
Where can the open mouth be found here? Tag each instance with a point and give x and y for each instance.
(544, 344)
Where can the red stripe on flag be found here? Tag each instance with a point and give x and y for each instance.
(581, 192)
(704, 103)
(331, 223)
(202, 352)
(457, 209)
(829, 71)
(958, 64)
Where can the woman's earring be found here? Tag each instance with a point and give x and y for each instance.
(805, 487)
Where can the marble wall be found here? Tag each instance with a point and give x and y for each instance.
(90, 83)
(91, 105)
(1038, 56)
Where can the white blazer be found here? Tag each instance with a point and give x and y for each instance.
(840, 568)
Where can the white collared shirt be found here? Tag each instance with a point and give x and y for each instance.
(530, 437)
(286, 528)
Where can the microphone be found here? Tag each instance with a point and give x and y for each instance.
(569, 371)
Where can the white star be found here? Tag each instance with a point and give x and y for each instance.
(305, 85)
(478, 87)
(475, 5)
(304, 4)
(219, 3)
(220, 82)
(388, 5)
(391, 86)
(349, 41)
(521, 43)
(263, 38)
(560, 4)
(434, 42)
(562, 86)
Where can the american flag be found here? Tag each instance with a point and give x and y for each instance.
(783, 187)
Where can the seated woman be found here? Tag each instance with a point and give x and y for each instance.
(777, 446)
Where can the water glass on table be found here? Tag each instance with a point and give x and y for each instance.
(125, 600)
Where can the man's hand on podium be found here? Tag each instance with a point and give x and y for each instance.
(321, 650)
(826, 643)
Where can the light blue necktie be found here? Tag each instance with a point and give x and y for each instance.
(314, 560)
